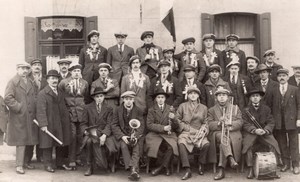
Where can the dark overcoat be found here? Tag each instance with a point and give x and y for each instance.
(53, 113)
(210, 58)
(267, 99)
(20, 98)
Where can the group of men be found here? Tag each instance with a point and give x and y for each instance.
(152, 104)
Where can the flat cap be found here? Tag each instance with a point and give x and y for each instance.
(164, 62)
(283, 70)
(190, 39)
(193, 89)
(214, 67)
(296, 66)
(75, 66)
(25, 64)
(61, 61)
(169, 49)
(254, 58)
(37, 60)
(233, 63)
(189, 67)
(209, 36)
(232, 36)
(92, 33)
(128, 94)
(144, 34)
(121, 34)
(262, 67)
(134, 57)
(104, 65)
(268, 52)
(222, 90)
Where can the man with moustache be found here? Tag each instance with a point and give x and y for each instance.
(52, 115)
(150, 54)
(270, 58)
(20, 98)
(118, 57)
(252, 63)
(286, 112)
(64, 65)
(295, 79)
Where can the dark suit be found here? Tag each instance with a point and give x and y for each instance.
(267, 99)
(286, 111)
(253, 77)
(199, 85)
(226, 55)
(273, 73)
(119, 61)
(210, 60)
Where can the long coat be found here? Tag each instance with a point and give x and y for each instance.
(213, 117)
(172, 87)
(156, 121)
(20, 98)
(118, 61)
(90, 62)
(141, 90)
(190, 120)
(210, 90)
(75, 99)
(43, 82)
(53, 113)
(265, 119)
(103, 120)
(291, 106)
(267, 99)
(197, 84)
(227, 58)
(3, 119)
(113, 94)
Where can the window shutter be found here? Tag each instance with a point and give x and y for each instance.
(264, 33)
(31, 32)
(91, 23)
(207, 23)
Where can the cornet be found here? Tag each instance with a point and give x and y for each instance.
(134, 125)
(200, 135)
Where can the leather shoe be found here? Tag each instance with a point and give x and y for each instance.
(28, 166)
(20, 170)
(64, 167)
(220, 175)
(156, 171)
(280, 163)
(296, 170)
(134, 176)
(284, 168)
(233, 163)
(250, 174)
(168, 172)
(200, 170)
(89, 171)
(49, 169)
(187, 175)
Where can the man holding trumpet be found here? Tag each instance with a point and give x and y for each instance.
(225, 122)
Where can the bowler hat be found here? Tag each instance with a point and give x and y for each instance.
(144, 34)
(262, 67)
(98, 90)
(160, 91)
(53, 73)
(190, 39)
(255, 91)
(92, 33)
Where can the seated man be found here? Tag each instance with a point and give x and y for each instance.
(193, 131)
(228, 117)
(258, 126)
(126, 135)
(98, 115)
(161, 124)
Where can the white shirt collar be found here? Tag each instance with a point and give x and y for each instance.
(269, 65)
(264, 82)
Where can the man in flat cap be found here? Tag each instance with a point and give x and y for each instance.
(295, 78)
(286, 112)
(20, 98)
(264, 83)
(53, 116)
(233, 53)
(128, 127)
(91, 56)
(252, 63)
(190, 81)
(150, 54)
(213, 83)
(109, 85)
(174, 63)
(210, 54)
(190, 56)
(118, 57)
(64, 65)
(76, 91)
(224, 116)
(270, 58)
(168, 83)
(239, 84)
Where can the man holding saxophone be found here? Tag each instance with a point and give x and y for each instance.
(225, 122)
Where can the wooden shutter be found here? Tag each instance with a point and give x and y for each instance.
(31, 32)
(264, 24)
(91, 23)
(207, 23)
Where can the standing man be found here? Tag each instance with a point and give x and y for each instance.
(286, 113)
(118, 57)
(122, 130)
(169, 56)
(52, 115)
(150, 54)
(270, 58)
(20, 98)
(91, 56)
(76, 91)
(233, 53)
(295, 79)
(64, 65)
(109, 85)
(190, 56)
(252, 63)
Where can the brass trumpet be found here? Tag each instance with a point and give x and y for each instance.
(200, 135)
(134, 125)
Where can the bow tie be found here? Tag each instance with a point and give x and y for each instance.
(256, 105)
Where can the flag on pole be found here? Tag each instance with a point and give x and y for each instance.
(167, 16)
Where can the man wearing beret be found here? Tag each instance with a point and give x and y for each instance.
(76, 90)
(233, 53)
(213, 83)
(91, 56)
(210, 54)
(20, 98)
(252, 63)
(286, 112)
(270, 58)
(295, 79)
(174, 63)
(190, 56)
(239, 84)
(109, 85)
(150, 54)
(64, 65)
(265, 84)
(129, 138)
(118, 57)
(168, 83)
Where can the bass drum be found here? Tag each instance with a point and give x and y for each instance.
(265, 165)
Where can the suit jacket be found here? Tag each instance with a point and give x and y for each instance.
(273, 73)
(267, 99)
(253, 77)
(61, 78)
(118, 61)
(292, 81)
(44, 82)
(226, 55)
(210, 90)
(291, 107)
(199, 85)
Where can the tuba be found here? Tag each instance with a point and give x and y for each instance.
(134, 125)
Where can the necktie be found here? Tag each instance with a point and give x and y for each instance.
(98, 108)
(120, 49)
(162, 108)
(233, 79)
(55, 91)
